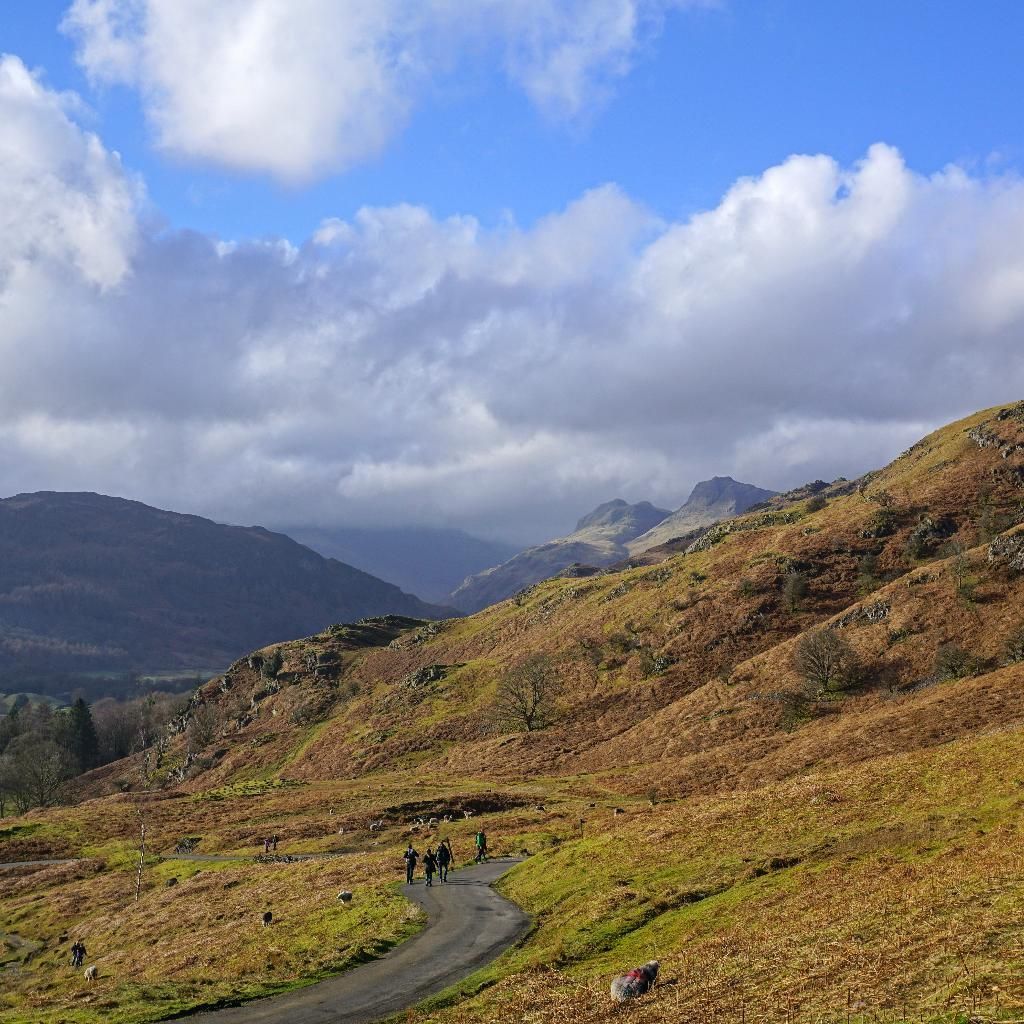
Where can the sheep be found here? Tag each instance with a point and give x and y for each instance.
(432, 823)
(618, 811)
(376, 826)
(267, 918)
(92, 973)
(635, 983)
(467, 814)
(540, 807)
(345, 896)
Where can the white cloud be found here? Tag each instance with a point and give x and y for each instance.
(399, 368)
(299, 88)
(64, 200)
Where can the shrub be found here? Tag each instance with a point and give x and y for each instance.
(817, 503)
(747, 588)
(272, 664)
(826, 662)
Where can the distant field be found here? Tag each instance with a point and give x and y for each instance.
(8, 699)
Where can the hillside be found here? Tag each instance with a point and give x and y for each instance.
(791, 849)
(90, 583)
(427, 561)
(599, 539)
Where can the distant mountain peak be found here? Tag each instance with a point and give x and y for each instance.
(709, 501)
(618, 511)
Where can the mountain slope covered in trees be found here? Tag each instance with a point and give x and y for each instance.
(90, 583)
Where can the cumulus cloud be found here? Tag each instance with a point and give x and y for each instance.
(298, 88)
(397, 367)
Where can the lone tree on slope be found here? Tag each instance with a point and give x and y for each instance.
(527, 694)
(826, 661)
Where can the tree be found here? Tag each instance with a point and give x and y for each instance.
(1015, 646)
(826, 661)
(38, 770)
(794, 589)
(527, 694)
(83, 743)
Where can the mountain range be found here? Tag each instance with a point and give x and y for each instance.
(612, 532)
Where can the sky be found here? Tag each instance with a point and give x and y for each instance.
(487, 263)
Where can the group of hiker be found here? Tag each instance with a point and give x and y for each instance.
(78, 953)
(437, 862)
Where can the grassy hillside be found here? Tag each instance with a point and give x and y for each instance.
(787, 853)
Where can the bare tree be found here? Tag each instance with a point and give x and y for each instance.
(528, 693)
(38, 770)
(826, 661)
(1014, 648)
(202, 727)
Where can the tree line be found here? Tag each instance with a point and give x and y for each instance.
(43, 748)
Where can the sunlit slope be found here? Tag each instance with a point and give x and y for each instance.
(688, 664)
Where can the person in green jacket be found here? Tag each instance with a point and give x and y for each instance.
(481, 846)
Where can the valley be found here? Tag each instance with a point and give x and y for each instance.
(792, 842)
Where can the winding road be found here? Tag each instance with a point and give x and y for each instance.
(468, 925)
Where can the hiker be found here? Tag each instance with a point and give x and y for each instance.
(444, 858)
(77, 953)
(273, 843)
(411, 857)
(266, 846)
(481, 846)
(429, 865)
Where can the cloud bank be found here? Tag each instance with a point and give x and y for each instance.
(401, 368)
(298, 88)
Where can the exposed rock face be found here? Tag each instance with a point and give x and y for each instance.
(600, 538)
(1008, 551)
(711, 500)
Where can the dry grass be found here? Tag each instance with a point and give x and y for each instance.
(885, 820)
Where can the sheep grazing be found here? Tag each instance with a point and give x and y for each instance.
(467, 814)
(92, 973)
(540, 807)
(345, 896)
(618, 811)
(267, 918)
(635, 983)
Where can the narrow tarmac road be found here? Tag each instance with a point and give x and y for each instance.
(468, 926)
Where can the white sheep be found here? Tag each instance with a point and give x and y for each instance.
(92, 973)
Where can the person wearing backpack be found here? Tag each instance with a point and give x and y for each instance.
(429, 865)
(411, 857)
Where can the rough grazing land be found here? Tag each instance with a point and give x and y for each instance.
(788, 854)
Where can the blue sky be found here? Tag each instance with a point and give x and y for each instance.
(721, 92)
(489, 264)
